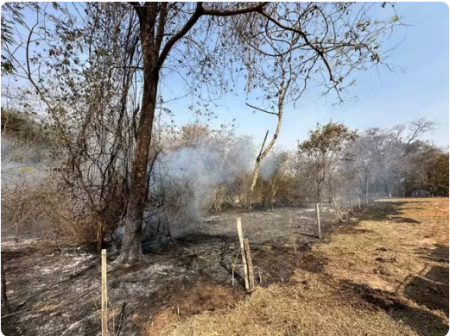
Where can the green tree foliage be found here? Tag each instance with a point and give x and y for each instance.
(325, 148)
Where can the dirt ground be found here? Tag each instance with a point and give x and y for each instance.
(386, 273)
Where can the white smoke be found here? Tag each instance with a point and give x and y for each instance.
(199, 168)
(21, 163)
(272, 164)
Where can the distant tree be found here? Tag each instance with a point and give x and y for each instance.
(325, 148)
(426, 169)
(192, 134)
(438, 175)
(385, 153)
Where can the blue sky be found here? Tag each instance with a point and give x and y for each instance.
(382, 98)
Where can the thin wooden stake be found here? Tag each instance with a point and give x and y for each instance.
(4, 297)
(99, 234)
(251, 274)
(122, 313)
(244, 259)
(318, 220)
(104, 296)
(295, 245)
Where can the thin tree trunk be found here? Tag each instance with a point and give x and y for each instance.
(338, 211)
(256, 171)
(271, 201)
(254, 179)
(263, 153)
(318, 194)
(367, 190)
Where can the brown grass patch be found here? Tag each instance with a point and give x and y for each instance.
(312, 307)
(201, 297)
(47, 307)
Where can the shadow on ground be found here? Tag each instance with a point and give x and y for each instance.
(384, 210)
(422, 322)
(430, 289)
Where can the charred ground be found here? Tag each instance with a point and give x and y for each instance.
(54, 288)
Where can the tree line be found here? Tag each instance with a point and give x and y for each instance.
(196, 170)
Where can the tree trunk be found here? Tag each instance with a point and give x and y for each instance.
(338, 211)
(255, 178)
(367, 191)
(318, 194)
(131, 248)
(256, 171)
(264, 151)
(349, 200)
(386, 188)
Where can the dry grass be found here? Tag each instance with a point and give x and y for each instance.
(46, 307)
(388, 252)
(382, 277)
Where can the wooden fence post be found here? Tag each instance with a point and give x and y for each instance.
(294, 240)
(318, 220)
(4, 297)
(251, 274)
(244, 259)
(104, 296)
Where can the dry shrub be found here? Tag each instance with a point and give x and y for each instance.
(38, 206)
(23, 127)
